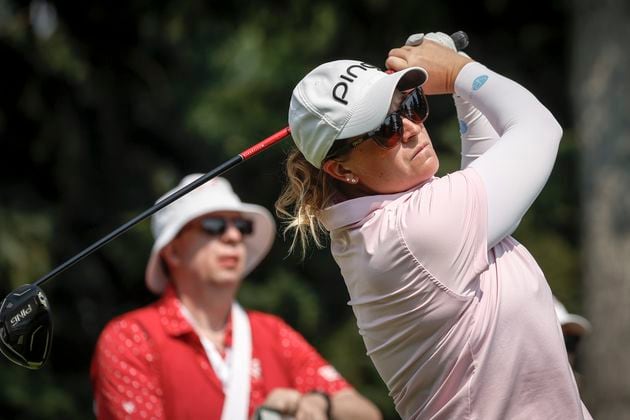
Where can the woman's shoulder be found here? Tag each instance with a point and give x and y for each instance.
(444, 190)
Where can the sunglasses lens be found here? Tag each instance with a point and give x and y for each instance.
(388, 135)
(415, 106)
(218, 225)
(246, 227)
(213, 225)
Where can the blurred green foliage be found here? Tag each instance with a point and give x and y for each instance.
(103, 107)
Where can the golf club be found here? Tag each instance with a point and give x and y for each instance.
(26, 326)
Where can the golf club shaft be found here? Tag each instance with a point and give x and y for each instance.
(224, 167)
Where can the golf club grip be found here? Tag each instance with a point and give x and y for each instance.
(266, 143)
(461, 40)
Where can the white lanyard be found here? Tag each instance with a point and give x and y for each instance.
(221, 366)
(233, 372)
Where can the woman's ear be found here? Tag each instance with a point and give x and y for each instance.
(338, 171)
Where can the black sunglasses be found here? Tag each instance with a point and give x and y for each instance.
(216, 226)
(414, 107)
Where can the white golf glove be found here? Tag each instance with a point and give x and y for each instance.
(439, 37)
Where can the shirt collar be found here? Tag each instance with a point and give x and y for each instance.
(171, 317)
(353, 211)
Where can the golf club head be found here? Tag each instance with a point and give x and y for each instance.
(26, 327)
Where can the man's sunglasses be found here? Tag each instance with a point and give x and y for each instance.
(217, 226)
(414, 107)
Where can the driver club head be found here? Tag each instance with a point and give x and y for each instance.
(26, 327)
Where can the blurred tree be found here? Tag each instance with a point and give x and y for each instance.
(601, 88)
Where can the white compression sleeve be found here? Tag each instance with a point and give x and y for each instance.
(476, 132)
(477, 135)
(515, 169)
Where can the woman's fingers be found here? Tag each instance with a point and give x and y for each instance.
(396, 63)
(442, 64)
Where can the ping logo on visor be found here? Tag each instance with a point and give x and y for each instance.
(340, 90)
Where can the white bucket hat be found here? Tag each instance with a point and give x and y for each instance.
(213, 196)
(575, 324)
(342, 99)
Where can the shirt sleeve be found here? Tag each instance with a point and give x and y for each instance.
(516, 168)
(308, 369)
(443, 224)
(123, 373)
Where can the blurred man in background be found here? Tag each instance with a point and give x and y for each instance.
(574, 328)
(195, 353)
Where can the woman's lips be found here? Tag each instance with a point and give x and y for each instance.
(420, 149)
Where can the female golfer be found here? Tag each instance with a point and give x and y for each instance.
(455, 314)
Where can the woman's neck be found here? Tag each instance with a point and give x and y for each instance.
(348, 192)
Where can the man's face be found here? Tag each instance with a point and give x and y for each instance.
(210, 250)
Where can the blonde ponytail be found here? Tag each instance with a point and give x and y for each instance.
(307, 192)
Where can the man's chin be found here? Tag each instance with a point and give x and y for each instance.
(228, 278)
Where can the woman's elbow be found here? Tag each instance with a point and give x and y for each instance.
(548, 129)
(552, 127)
(556, 130)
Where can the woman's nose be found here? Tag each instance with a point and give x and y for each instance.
(410, 129)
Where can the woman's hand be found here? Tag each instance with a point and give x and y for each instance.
(441, 63)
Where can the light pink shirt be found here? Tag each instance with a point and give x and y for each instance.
(454, 330)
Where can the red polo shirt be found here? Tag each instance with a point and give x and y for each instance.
(150, 364)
